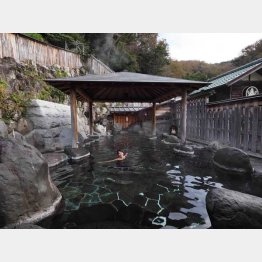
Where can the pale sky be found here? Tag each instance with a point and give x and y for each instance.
(208, 47)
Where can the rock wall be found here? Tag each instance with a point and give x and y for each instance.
(232, 209)
(27, 193)
(47, 126)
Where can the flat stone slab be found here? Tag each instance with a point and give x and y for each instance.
(183, 150)
(90, 139)
(55, 159)
(77, 154)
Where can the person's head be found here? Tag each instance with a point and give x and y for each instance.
(120, 153)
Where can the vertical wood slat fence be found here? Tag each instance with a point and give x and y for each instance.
(97, 67)
(236, 123)
(23, 48)
(125, 120)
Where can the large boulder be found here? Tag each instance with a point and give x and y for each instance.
(47, 126)
(100, 129)
(55, 159)
(36, 139)
(257, 173)
(117, 128)
(24, 126)
(3, 129)
(184, 150)
(24, 226)
(171, 139)
(204, 157)
(77, 154)
(232, 209)
(232, 161)
(27, 194)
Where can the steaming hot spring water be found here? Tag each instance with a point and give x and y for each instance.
(152, 176)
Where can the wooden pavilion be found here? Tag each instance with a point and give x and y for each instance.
(124, 87)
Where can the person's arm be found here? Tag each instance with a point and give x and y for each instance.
(108, 161)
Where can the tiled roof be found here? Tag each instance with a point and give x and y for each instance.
(230, 76)
(125, 109)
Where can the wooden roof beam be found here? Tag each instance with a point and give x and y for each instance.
(173, 93)
(83, 94)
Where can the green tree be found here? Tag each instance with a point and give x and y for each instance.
(130, 51)
(120, 51)
(249, 54)
(152, 54)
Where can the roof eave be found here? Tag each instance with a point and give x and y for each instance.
(244, 75)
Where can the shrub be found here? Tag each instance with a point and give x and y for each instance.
(50, 93)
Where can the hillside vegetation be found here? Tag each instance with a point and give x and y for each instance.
(143, 53)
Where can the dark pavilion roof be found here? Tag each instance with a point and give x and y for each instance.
(125, 87)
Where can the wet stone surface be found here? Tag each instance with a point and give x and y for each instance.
(156, 182)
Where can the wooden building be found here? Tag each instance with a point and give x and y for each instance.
(241, 82)
(229, 110)
(126, 115)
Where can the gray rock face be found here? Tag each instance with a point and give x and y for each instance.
(171, 138)
(183, 150)
(100, 129)
(204, 157)
(47, 126)
(55, 159)
(24, 126)
(3, 129)
(77, 154)
(117, 128)
(24, 226)
(27, 194)
(215, 145)
(232, 209)
(232, 161)
(257, 174)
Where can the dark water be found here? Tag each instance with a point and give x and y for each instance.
(152, 176)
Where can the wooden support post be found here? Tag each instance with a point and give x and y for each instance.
(73, 106)
(183, 116)
(91, 123)
(154, 119)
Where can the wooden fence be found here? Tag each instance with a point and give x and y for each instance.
(23, 48)
(97, 67)
(236, 123)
